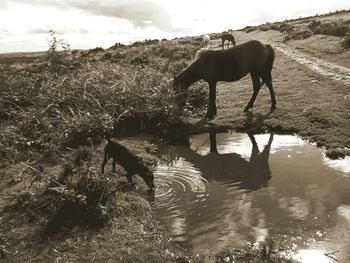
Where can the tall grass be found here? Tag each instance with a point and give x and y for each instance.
(57, 105)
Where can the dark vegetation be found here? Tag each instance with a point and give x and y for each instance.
(306, 27)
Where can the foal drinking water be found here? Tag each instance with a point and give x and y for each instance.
(229, 65)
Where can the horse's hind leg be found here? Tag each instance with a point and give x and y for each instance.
(268, 80)
(256, 88)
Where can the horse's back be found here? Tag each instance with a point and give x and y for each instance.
(252, 55)
(234, 63)
(227, 36)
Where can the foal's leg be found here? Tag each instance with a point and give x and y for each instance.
(268, 80)
(212, 100)
(105, 160)
(256, 88)
(114, 163)
(129, 176)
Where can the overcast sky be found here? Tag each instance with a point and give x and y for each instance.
(24, 24)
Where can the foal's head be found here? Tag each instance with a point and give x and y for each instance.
(148, 177)
(180, 91)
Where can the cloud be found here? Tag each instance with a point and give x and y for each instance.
(41, 30)
(141, 13)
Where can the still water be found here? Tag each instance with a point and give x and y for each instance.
(229, 188)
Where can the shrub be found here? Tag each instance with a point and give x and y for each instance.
(58, 58)
(96, 50)
(249, 29)
(197, 97)
(335, 28)
(346, 41)
(107, 56)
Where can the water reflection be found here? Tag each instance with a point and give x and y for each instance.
(226, 189)
(312, 255)
(231, 167)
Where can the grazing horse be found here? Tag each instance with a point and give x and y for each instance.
(229, 37)
(228, 65)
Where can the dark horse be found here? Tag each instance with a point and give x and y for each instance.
(228, 65)
(229, 37)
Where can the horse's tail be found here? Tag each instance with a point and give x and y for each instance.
(270, 59)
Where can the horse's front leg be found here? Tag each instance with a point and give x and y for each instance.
(212, 100)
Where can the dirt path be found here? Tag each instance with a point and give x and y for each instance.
(324, 68)
(313, 99)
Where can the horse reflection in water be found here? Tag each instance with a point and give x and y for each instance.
(251, 174)
(223, 211)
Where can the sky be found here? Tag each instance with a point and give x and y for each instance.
(84, 24)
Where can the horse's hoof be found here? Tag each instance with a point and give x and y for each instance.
(210, 115)
(247, 109)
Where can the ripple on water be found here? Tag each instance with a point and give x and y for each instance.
(173, 181)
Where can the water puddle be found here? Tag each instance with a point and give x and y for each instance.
(229, 188)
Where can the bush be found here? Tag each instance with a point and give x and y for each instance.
(346, 41)
(95, 50)
(58, 58)
(198, 97)
(338, 28)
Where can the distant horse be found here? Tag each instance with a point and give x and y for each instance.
(229, 38)
(206, 40)
(228, 65)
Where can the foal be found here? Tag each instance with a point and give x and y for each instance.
(131, 163)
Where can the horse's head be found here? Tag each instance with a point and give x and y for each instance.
(148, 177)
(180, 92)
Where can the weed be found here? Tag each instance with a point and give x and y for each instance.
(58, 59)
